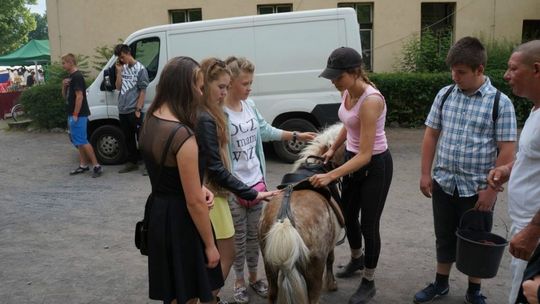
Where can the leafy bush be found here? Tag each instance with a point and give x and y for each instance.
(521, 105)
(45, 105)
(428, 52)
(498, 52)
(103, 54)
(410, 95)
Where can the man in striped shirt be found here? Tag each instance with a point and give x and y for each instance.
(475, 127)
(131, 81)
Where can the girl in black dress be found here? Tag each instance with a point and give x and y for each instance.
(183, 261)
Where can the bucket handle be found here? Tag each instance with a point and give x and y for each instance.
(500, 218)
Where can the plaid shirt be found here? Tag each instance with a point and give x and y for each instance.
(468, 141)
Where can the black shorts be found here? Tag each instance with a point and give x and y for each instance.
(447, 212)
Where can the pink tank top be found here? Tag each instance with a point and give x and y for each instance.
(351, 121)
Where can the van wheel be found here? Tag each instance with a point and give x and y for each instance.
(109, 145)
(288, 150)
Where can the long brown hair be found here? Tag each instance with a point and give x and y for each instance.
(176, 88)
(212, 69)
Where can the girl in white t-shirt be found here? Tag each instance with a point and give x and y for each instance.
(247, 131)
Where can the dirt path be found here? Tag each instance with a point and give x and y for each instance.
(67, 239)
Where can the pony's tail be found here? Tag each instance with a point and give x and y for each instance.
(286, 251)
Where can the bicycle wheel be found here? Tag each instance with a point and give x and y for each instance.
(17, 111)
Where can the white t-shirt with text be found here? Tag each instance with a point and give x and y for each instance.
(243, 130)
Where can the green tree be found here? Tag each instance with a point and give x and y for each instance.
(42, 30)
(426, 53)
(102, 56)
(16, 22)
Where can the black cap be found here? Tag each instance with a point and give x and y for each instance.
(341, 60)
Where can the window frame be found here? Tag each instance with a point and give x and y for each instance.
(274, 7)
(186, 13)
(450, 11)
(529, 30)
(364, 27)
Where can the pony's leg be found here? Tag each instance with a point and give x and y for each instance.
(331, 283)
(271, 277)
(314, 279)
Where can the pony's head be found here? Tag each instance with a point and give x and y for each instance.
(321, 144)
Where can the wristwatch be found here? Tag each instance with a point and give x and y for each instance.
(294, 136)
(138, 109)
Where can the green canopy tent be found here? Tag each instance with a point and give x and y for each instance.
(34, 52)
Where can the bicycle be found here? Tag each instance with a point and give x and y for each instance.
(17, 111)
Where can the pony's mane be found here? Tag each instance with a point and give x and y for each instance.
(319, 144)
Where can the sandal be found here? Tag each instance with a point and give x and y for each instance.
(260, 287)
(79, 170)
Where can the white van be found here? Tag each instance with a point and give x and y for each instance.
(289, 51)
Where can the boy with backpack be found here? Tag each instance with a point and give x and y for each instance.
(474, 126)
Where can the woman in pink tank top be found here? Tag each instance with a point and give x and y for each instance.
(367, 172)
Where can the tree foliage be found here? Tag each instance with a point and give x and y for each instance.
(426, 53)
(498, 53)
(45, 105)
(102, 56)
(42, 30)
(16, 22)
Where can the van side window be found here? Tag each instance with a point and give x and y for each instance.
(146, 51)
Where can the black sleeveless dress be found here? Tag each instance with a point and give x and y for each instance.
(176, 258)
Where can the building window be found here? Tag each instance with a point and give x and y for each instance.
(185, 15)
(531, 30)
(438, 19)
(364, 12)
(273, 8)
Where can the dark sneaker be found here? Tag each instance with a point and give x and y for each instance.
(129, 167)
(351, 267)
(97, 171)
(364, 293)
(475, 298)
(431, 292)
(79, 170)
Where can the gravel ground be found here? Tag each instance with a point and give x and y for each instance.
(69, 239)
